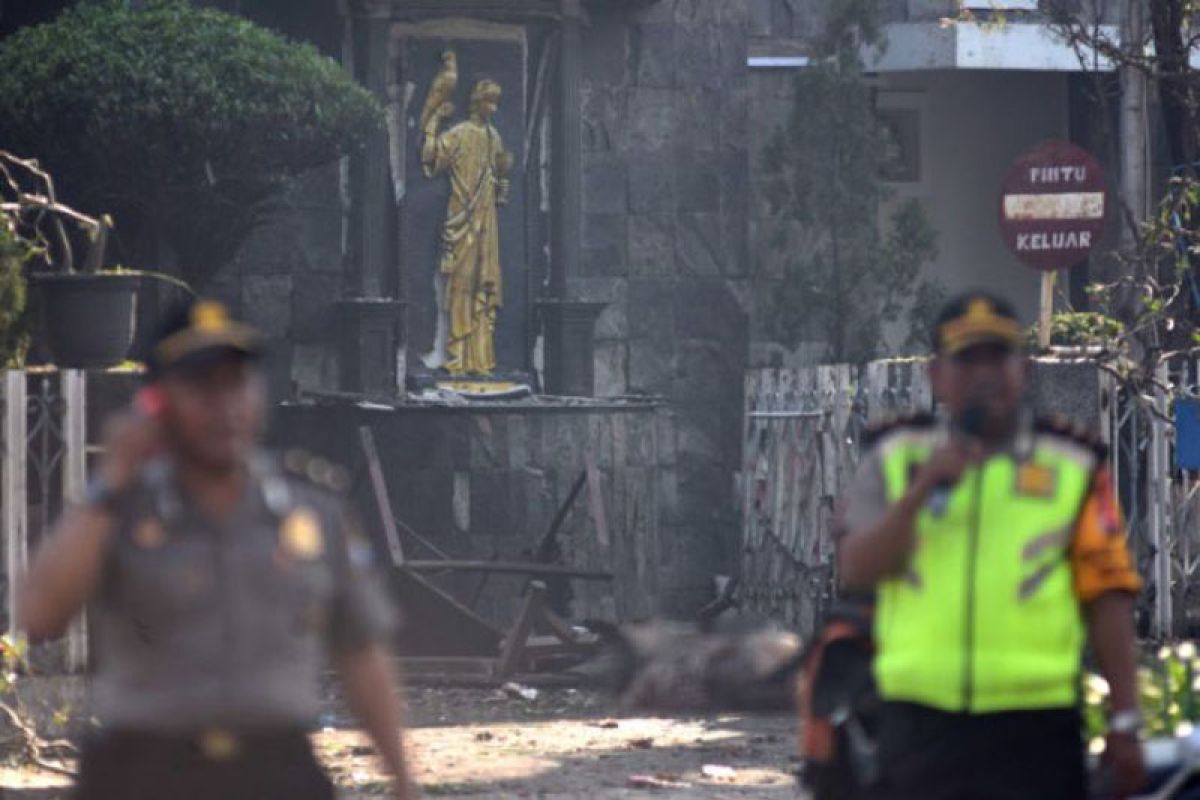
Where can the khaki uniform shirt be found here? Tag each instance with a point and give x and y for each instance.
(201, 623)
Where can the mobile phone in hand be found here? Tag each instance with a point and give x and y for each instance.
(150, 401)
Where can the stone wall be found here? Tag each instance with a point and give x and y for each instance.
(286, 281)
(666, 181)
(485, 482)
(665, 188)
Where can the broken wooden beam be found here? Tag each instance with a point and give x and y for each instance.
(508, 567)
(514, 642)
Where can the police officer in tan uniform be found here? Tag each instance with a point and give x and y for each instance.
(217, 581)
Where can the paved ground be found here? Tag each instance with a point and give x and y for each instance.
(476, 743)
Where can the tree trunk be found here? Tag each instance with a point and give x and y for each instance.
(1175, 89)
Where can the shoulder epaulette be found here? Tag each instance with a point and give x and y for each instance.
(877, 430)
(316, 471)
(1077, 432)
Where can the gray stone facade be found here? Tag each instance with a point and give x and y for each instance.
(666, 100)
(485, 484)
(672, 118)
(665, 241)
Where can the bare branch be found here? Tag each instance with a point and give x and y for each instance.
(28, 208)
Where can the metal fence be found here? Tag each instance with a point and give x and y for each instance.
(1159, 500)
(800, 449)
(802, 431)
(43, 464)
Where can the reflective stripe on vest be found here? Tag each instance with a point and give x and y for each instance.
(985, 618)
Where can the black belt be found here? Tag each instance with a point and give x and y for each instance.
(215, 744)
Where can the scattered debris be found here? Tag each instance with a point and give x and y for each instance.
(718, 772)
(513, 689)
(664, 666)
(660, 781)
(767, 739)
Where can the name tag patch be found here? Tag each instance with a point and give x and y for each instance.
(1036, 480)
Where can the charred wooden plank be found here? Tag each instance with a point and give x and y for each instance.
(508, 567)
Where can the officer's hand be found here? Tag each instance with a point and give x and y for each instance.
(130, 439)
(1123, 754)
(946, 465)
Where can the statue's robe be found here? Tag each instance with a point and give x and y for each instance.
(471, 153)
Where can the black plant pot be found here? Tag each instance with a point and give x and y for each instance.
(88, 318)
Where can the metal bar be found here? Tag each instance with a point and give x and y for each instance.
(74, 478)
(13, 509)
(433, 548)
(509, 567)
(785, 414)
(1157, 486)
(382, 501)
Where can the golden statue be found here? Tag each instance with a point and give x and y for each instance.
(468, 278)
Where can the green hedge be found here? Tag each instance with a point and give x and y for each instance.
(185, 119)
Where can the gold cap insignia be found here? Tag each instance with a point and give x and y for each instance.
(209, 315)
(300, 535)
(150, 534)
(219, 745)
(980, 322)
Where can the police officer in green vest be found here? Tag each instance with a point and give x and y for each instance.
(996, 550)
(219, 578)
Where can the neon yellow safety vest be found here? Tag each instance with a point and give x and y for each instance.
(985, 618)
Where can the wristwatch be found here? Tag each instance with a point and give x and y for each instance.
(1126, 722)
(103, 496)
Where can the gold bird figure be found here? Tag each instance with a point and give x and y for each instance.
(441, 90)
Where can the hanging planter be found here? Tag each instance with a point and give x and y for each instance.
(88, 318)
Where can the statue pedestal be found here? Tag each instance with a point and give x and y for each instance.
(369, 346)
(569, 327)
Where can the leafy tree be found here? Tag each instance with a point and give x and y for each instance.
(1155, 295)
(13, 324)
(183, 123)
(853, 276)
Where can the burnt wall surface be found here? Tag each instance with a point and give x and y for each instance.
(486, 484)
(665, 188)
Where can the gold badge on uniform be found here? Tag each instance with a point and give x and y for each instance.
(1035, 480)
(300, 535)
(149, 534)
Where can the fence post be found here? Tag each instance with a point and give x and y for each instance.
(14, 512)
(74, 477)
(1158, 474)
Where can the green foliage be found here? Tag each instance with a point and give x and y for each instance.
(1158, 290)
(183, 122)
(927, 303)
(13, 653)
(846, 25)
(851, 277)
(1168, 689)
(14, 318)
(1080, 328)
